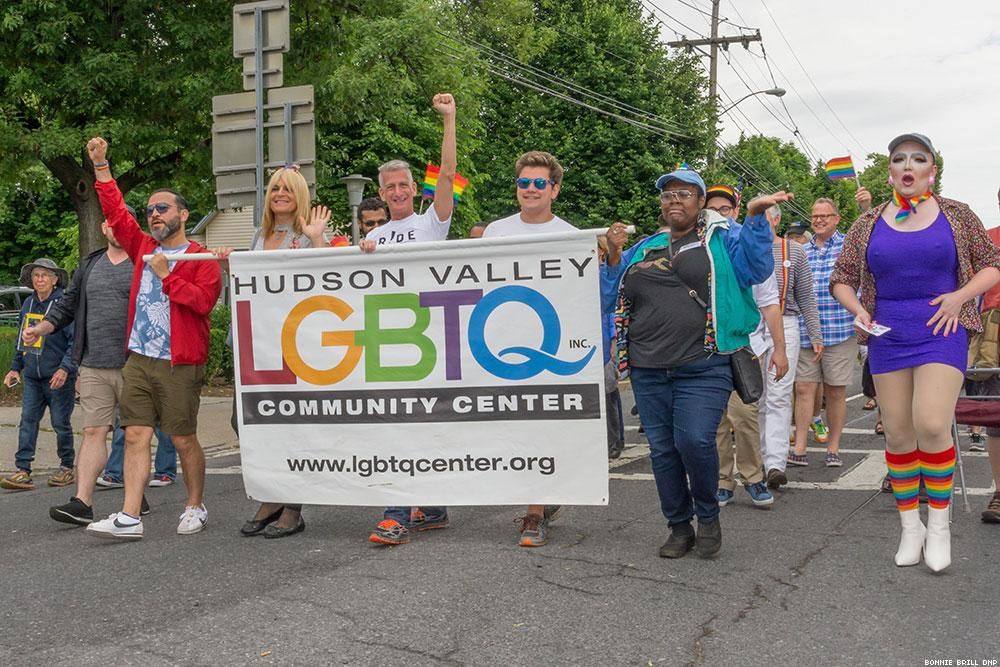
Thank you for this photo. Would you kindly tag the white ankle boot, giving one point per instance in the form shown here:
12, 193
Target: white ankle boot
911, 542
937, 548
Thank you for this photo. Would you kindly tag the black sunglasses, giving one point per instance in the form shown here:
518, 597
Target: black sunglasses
160, 208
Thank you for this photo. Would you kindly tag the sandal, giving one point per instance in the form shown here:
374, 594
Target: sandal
879, 429
871, 404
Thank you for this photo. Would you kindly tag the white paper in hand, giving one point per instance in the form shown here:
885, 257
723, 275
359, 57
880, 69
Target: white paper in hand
874, 330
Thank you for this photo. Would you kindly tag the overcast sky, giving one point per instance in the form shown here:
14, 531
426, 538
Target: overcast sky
884, 66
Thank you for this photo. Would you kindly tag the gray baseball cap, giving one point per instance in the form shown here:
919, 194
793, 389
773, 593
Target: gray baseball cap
912, 136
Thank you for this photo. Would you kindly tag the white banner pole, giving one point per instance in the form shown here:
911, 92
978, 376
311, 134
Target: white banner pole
207, 256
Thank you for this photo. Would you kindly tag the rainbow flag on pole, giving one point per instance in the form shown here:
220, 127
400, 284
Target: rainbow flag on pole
840, 167
431, 179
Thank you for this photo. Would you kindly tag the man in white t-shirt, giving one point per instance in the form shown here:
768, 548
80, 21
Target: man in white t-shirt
537, 176
397, 188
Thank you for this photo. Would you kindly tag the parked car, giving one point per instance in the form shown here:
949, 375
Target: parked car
11, 297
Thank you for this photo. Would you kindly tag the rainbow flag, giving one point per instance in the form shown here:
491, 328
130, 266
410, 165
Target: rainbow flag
840, 167
431, 180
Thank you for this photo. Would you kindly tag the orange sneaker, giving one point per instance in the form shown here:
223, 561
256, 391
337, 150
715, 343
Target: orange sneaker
390, 531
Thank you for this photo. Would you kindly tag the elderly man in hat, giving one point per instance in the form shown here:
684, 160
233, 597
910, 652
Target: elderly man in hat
48, 371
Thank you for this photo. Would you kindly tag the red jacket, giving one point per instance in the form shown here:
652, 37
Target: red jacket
992, 297
192, 288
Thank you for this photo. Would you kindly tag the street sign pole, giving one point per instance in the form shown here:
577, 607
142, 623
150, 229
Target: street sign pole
258, 58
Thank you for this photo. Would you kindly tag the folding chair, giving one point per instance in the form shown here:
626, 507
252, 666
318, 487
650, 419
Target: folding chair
974, 411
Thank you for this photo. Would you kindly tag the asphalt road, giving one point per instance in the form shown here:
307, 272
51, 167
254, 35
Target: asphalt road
810, 581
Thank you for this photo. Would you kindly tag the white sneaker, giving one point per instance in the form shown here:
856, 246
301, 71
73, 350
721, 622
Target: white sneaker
162, 480
116, 529
109, 482
193, 520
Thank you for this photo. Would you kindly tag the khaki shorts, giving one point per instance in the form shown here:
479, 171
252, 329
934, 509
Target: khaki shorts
157, 393
100, 393
835, 367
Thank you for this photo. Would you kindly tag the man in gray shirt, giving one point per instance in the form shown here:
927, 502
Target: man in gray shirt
97, 300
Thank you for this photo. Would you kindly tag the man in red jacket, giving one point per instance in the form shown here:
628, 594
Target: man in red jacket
168, 321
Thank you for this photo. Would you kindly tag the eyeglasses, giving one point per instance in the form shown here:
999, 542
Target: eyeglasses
160, 208
539, 183
723, 210
823, 216
676, 195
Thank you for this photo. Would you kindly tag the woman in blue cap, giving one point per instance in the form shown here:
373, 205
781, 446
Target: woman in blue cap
684, 304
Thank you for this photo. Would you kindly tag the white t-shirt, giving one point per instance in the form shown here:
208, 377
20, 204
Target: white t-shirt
765, 294
416, 228
515, 226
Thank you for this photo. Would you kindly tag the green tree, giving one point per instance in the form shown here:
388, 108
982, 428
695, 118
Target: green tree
765, 164
138, 73
35, 212
605, 46
142, 74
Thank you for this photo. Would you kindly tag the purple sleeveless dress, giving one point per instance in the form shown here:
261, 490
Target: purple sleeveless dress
910, 269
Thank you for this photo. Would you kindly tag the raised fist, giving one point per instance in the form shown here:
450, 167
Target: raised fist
97, 149
444, 104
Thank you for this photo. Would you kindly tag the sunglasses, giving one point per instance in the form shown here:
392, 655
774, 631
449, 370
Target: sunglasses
160, 208
676, 195
539, 183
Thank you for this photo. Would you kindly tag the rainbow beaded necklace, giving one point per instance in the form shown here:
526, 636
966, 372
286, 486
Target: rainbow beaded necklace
907, 205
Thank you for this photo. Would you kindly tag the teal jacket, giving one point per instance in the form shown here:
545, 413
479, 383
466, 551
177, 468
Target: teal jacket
739, 256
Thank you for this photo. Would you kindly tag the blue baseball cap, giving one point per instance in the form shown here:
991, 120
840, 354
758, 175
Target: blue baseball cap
689, 176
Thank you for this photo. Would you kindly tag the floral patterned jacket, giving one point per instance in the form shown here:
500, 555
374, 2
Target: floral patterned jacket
975, 252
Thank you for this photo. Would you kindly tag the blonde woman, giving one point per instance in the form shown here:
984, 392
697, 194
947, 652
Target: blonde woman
288, 222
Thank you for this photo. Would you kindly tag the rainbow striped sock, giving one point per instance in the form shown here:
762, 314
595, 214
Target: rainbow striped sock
938, 469
904, 473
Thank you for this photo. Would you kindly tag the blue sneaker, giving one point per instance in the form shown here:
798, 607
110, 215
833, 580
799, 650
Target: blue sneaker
759, 495
725, 497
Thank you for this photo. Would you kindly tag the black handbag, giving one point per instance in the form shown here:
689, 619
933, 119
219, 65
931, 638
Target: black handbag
747, 379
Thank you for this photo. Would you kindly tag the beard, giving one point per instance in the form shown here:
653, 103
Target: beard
169, 228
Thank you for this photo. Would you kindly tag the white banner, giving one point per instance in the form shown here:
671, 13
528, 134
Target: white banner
450, 373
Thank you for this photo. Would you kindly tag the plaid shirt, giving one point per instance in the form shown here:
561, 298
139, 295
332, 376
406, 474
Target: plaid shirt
836, 321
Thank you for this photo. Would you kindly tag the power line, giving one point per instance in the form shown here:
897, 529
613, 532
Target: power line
737, 110
815, 87
793, 128
652, 6
721, 19
806, 144
670, 127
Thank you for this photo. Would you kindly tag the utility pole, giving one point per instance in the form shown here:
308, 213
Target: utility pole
713, 58
714, 42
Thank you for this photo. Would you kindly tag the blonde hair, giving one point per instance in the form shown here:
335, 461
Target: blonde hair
296, 183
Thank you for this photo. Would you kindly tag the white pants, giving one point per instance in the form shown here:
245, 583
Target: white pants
775, 405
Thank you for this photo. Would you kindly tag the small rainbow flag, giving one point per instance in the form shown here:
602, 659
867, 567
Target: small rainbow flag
840, 167
431, 180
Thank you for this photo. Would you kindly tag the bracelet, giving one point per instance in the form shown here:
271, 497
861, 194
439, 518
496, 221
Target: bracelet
101, 166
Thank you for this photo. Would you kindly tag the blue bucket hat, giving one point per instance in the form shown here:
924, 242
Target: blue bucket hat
688, 176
